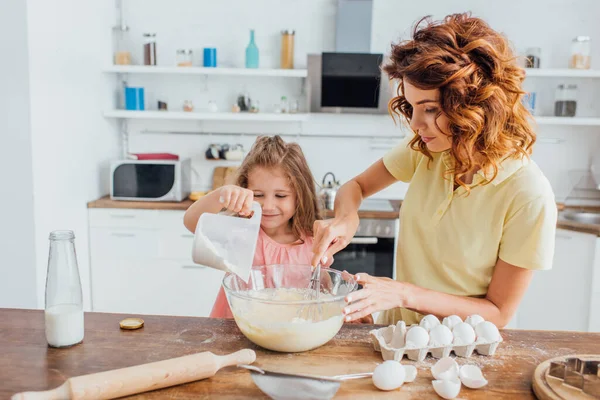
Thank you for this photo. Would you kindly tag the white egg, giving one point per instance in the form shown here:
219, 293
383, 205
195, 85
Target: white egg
429, 322
487, 332
389, 375
447, 389
410, 373
472, 377
452, 321
474, 320
445, 369
464, 334
417, 337
440, 336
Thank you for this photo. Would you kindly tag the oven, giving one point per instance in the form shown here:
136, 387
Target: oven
372, 250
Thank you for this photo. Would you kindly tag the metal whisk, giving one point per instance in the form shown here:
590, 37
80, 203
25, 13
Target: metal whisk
312, 312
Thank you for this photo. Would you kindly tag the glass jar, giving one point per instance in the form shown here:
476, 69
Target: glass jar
565, 103
122, 53
64, 300
581, 53
184, 58
287, 49
188, 106
149, 48
284, 106
532, 57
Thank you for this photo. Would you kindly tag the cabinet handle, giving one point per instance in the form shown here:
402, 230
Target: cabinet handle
187, 235
564, 236
364, 240
122, 216
123, 234
196, 266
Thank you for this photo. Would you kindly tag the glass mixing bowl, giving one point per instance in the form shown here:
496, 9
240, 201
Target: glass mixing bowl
275, 310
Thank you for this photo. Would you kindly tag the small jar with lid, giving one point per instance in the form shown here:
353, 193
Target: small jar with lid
184, 57
122, 53
287, 49
149, 48
581, 53
565, 103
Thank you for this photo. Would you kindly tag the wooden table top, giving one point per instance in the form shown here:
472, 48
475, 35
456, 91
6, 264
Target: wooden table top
27, 363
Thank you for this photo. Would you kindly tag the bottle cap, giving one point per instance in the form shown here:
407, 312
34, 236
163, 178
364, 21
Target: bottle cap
131, 323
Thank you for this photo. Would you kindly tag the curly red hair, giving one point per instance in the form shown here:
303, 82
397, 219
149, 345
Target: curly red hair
479, 81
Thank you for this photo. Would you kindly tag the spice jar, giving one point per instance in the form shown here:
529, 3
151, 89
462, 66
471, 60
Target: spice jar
188, 106
122, 54
149, 48
565, 103
184, 58
287, 49
581, 49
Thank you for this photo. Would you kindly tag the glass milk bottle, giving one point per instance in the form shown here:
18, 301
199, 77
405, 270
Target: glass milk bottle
64, 304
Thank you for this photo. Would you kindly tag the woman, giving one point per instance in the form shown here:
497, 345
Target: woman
479, 216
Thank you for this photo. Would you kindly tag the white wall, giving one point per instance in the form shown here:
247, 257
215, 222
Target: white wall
17, 269
69, 41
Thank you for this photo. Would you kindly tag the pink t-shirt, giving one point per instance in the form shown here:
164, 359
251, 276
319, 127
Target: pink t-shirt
268, 252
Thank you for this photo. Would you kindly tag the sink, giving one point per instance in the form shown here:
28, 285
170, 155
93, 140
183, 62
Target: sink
583, 217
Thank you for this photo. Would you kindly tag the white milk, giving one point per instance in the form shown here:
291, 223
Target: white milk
64, 325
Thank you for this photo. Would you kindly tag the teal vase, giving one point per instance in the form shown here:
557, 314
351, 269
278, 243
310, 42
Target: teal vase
252, 52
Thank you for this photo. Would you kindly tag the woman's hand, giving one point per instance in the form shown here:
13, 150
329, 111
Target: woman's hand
378, 294
236, 199
331, 236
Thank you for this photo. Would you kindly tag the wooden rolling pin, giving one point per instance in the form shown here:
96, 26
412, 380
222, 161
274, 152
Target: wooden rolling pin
141, 378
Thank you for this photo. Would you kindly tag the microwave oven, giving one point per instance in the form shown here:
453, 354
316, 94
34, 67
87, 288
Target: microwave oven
150, 180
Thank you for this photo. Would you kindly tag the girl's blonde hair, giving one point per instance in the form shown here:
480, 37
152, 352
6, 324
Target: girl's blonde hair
479, 81
273, 152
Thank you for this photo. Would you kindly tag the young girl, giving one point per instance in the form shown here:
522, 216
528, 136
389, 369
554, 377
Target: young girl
276, 175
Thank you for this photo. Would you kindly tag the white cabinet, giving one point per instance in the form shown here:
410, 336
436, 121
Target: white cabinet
595, 300
141, 264
559, 299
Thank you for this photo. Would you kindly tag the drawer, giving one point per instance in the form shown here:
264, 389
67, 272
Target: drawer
171, 220
154, 287
123, 243
176, 245
123, 218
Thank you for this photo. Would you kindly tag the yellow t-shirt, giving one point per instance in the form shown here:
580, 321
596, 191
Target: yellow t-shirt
450, 242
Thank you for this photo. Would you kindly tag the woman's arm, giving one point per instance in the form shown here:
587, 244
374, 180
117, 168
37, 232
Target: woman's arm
332, 235
505, 292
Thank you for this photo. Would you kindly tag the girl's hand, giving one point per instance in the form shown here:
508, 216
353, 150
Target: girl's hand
236, 199
331, 236
378, 294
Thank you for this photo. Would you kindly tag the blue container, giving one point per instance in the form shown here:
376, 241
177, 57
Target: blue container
252, 52
134, 98
210, 57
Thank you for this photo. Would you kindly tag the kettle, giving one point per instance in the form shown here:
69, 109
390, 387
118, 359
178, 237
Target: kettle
328, 191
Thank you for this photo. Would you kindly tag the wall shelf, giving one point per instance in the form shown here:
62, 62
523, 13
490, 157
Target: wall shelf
266, 72
303, 117
562, 73
574, 121
205, 116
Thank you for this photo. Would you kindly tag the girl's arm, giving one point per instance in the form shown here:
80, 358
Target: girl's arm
507, 288
230, 197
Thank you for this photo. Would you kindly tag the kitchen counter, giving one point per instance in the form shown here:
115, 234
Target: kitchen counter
106, 202
28, 364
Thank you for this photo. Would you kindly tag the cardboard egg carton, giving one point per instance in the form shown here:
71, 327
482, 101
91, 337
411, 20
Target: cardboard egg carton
390, 341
